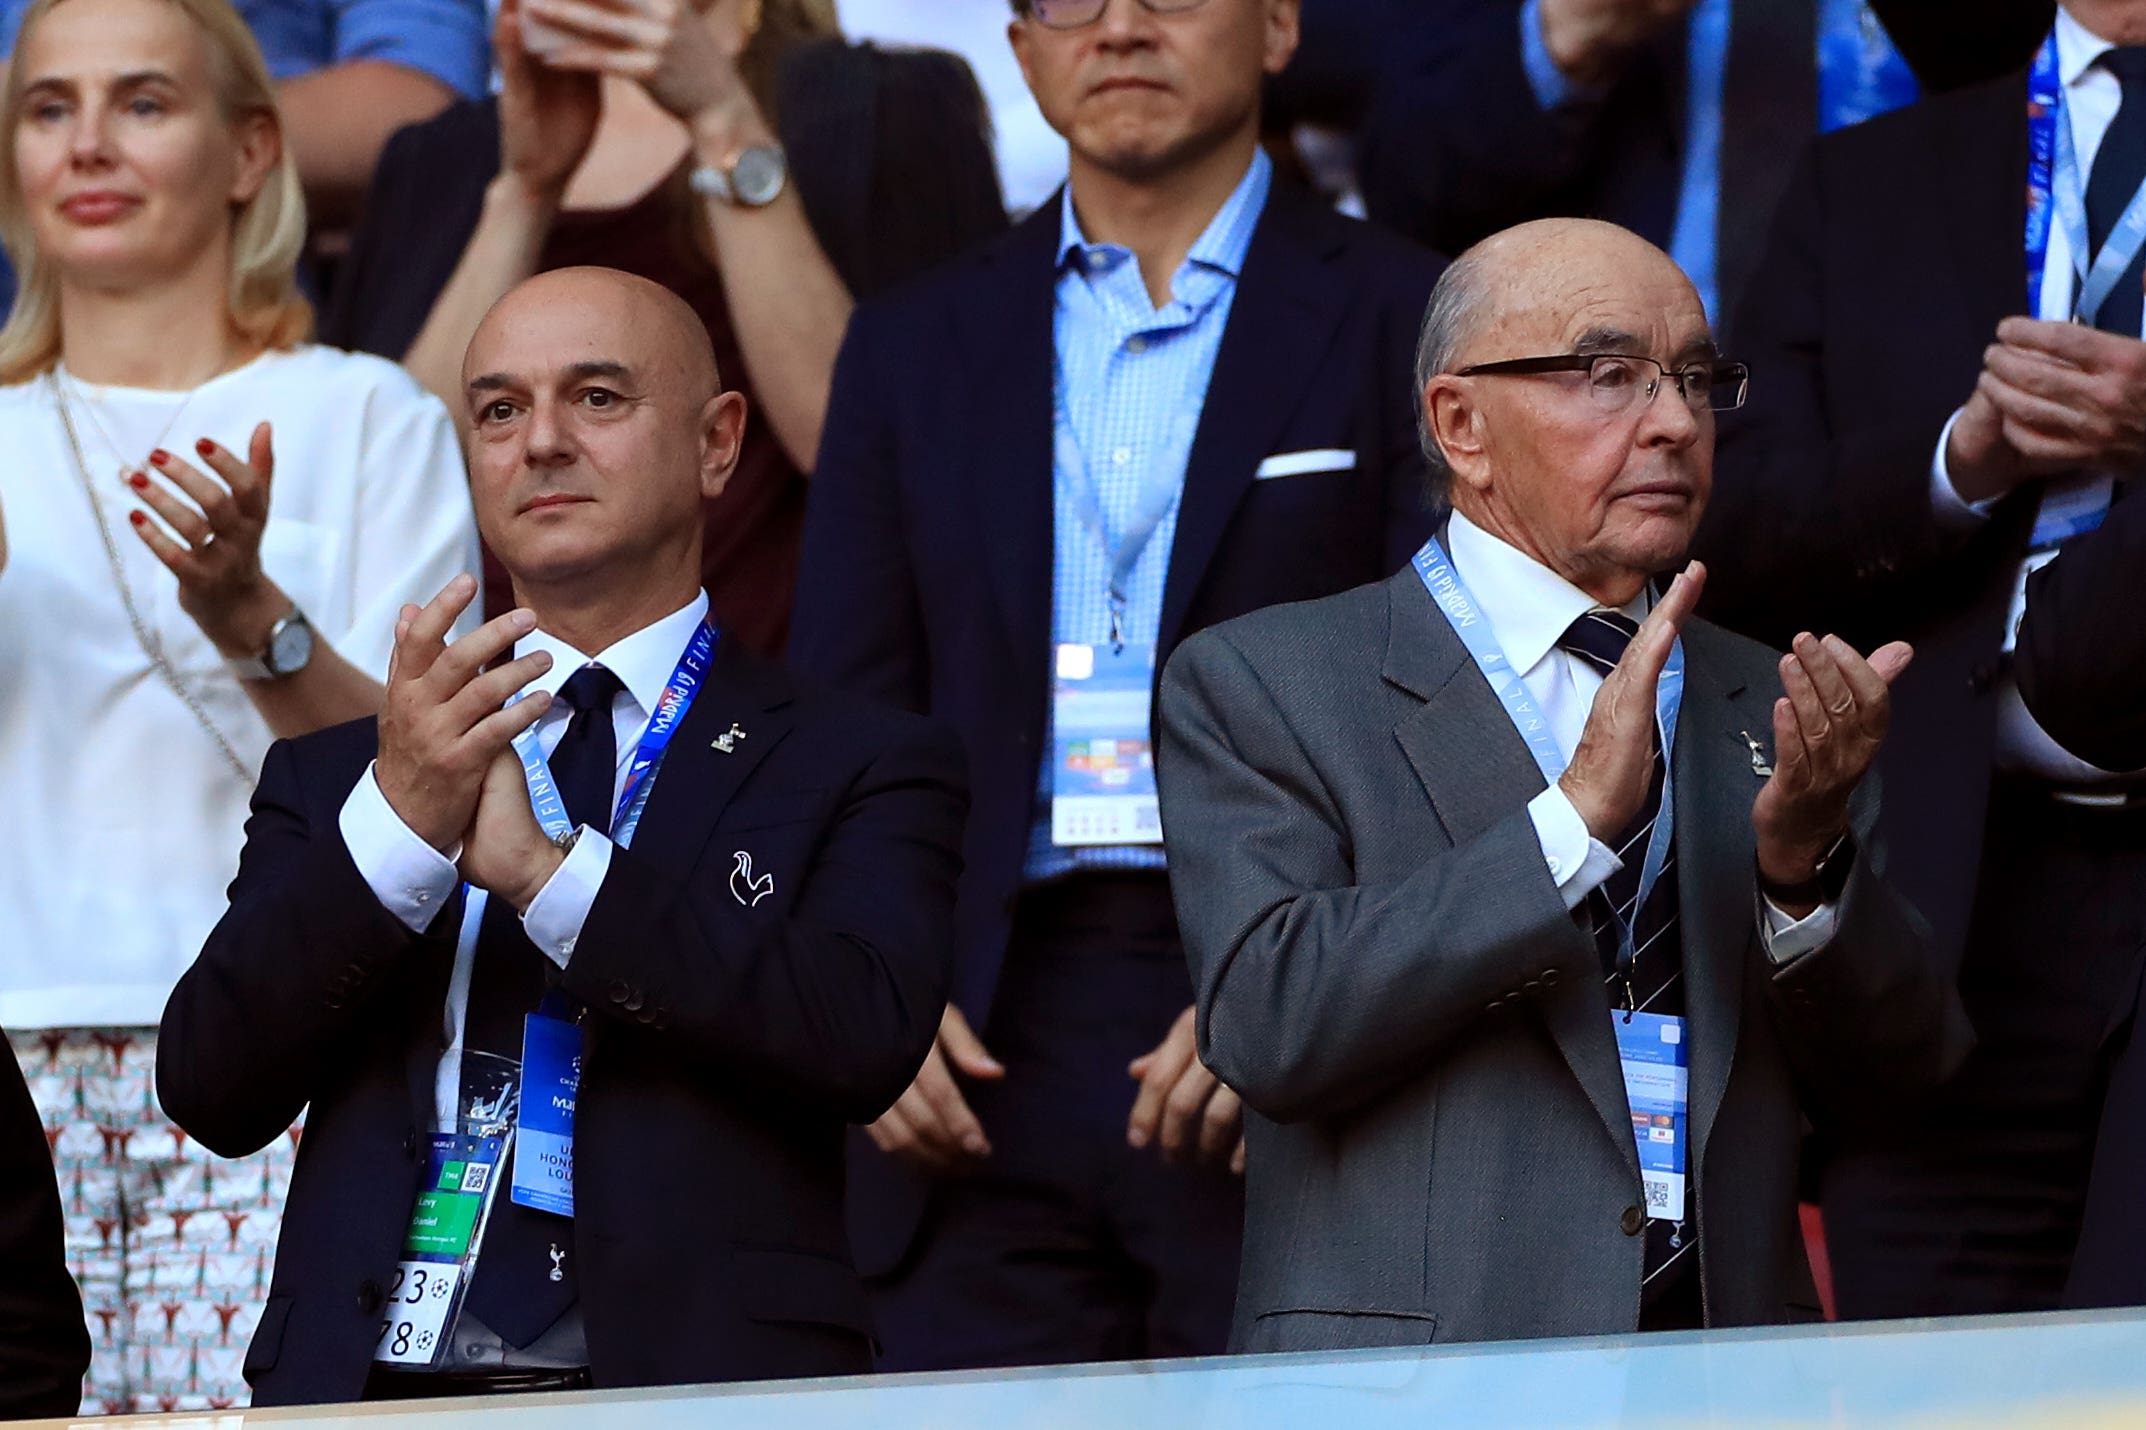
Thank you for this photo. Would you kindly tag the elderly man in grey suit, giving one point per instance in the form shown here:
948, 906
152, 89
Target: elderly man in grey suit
1529, 915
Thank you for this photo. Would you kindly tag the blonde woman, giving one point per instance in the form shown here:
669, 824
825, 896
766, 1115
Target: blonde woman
738, 152
213, 525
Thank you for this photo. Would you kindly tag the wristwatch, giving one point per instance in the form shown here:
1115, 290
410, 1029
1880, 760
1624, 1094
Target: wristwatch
752, 180
290, 647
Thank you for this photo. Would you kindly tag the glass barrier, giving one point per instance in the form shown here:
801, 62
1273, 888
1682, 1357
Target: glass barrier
2075, 1371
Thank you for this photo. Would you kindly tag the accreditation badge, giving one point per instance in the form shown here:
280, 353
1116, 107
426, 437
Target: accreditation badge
1657, 1086
544, 1123
439, 1250
1102, 748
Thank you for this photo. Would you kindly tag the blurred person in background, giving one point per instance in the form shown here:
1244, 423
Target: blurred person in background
213, 524
1031, 155
348, 74
737, 152
1679, 119
1946, 395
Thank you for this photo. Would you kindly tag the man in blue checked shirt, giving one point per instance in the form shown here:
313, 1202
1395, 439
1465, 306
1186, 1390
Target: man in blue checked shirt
1174, 394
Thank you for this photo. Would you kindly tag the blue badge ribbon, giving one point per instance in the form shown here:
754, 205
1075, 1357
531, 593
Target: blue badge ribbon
1156, 498
685, 682
2056, 192
1472, 625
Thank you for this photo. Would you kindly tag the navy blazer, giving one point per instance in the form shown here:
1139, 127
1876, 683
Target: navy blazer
928, 543
1895, 255
728, 1041
44, 1343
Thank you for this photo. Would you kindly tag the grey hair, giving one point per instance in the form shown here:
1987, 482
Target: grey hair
1449, 320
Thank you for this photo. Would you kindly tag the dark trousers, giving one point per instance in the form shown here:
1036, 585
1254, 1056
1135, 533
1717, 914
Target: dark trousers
1069, 1245
1972, 1202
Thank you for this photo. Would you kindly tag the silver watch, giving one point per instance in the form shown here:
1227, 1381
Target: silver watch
290, 647
754, 179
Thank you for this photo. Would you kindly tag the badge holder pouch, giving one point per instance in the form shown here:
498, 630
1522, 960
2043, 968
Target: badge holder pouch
463, 1170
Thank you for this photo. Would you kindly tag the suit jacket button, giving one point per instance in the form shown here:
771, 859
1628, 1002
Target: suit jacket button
635, 1001
370, 1297
1634, 1221
619, 991
1550, 977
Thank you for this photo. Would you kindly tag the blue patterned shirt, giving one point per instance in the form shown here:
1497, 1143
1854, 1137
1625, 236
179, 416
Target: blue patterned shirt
1130, 382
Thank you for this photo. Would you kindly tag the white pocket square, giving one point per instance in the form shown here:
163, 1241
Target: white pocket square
1296, 464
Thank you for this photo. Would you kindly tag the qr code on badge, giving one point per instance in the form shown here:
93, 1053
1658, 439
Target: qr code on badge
476, 1176
1657, 1198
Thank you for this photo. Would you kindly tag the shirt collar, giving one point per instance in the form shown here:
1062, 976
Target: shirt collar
2078, 48
1529, 605
1222, 245
643, 661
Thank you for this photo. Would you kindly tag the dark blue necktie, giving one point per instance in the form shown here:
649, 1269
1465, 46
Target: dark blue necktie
2119, 168
514, 1292
1655, 975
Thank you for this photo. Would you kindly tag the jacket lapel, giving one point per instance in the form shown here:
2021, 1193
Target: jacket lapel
1470, 761
1715, 785
1290, 300
746, 706
1004, 321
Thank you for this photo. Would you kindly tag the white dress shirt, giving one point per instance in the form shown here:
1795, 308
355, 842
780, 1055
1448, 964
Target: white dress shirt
2092, 96
1529, 608
139, 815
412, 879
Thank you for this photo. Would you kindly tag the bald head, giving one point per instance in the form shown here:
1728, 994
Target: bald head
1598, 470
1534, 271
598, 428
635, 319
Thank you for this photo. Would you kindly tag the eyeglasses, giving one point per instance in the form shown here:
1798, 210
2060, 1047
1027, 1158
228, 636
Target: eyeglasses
1072, 14
1618, 380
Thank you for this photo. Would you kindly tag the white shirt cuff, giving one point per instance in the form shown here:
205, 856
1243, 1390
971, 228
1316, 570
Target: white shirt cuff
554, 917
409, 877
1787, 939
1945, 498
1577, 860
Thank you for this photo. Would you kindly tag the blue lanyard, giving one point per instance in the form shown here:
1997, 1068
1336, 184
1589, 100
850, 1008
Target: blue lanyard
671, 707
2055, 192
1156, 499
1472, 625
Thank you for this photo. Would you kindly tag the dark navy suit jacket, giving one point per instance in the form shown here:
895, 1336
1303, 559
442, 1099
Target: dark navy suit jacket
729, 1041
928, 547
44, 1345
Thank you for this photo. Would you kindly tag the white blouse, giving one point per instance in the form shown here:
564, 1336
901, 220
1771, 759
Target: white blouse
128, 818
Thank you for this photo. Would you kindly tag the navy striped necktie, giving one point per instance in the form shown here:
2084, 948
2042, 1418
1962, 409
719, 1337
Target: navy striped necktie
1654, 979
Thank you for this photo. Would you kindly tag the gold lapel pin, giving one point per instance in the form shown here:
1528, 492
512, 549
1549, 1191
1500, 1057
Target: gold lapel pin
1760, 766
727, 742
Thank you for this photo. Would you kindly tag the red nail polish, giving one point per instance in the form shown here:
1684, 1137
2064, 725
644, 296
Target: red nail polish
159, 457
204, 446
137, 481
138, 518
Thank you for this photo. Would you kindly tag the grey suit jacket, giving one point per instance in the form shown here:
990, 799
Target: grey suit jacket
1440, 1148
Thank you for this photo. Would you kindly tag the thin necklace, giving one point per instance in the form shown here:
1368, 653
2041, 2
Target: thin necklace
152, 646
127, 469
